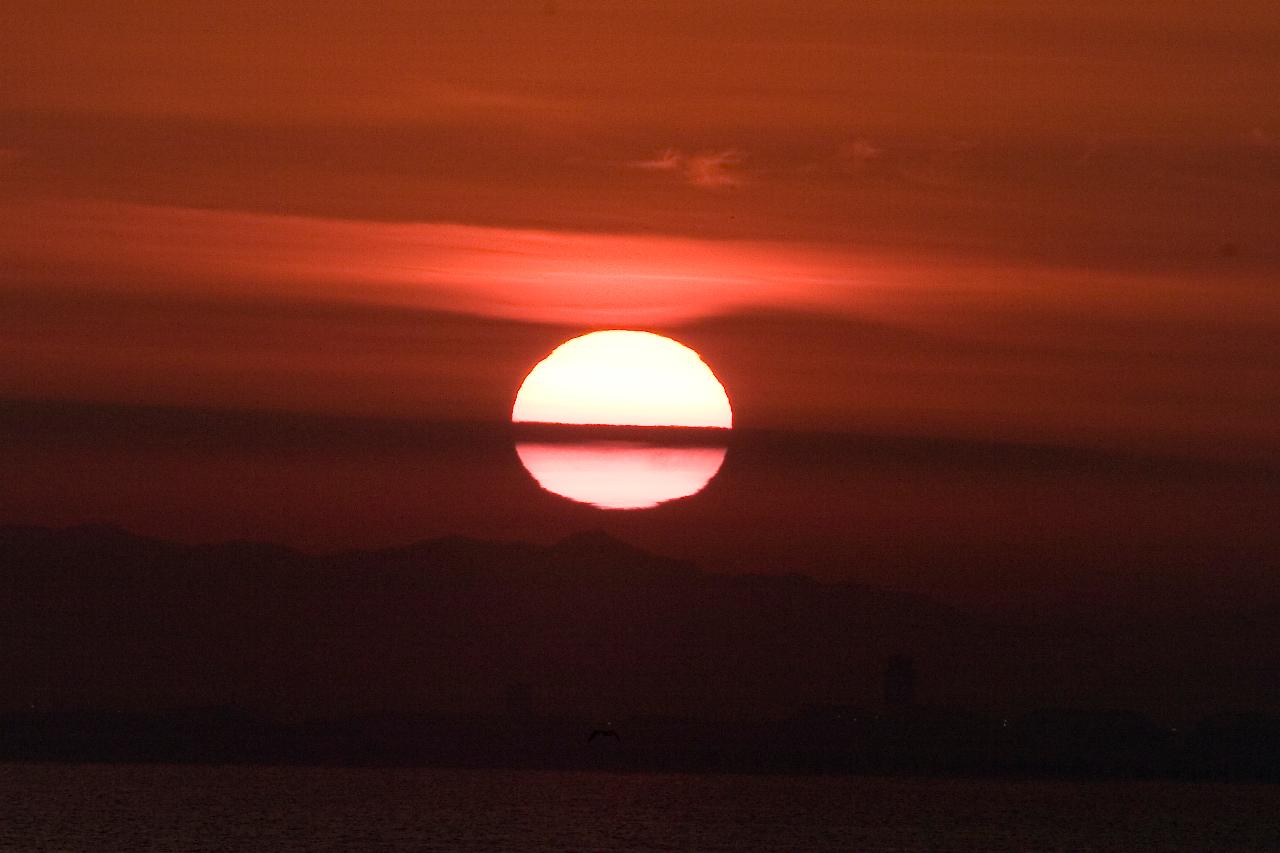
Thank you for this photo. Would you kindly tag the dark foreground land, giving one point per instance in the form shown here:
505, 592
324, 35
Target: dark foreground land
471, 653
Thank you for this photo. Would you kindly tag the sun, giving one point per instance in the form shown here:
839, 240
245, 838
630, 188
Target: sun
628, 379
623, 378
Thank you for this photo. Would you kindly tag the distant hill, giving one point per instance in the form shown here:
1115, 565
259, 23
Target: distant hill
95, 617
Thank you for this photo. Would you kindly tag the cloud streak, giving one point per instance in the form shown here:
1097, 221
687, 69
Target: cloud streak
977, 345
529, 274
712, 170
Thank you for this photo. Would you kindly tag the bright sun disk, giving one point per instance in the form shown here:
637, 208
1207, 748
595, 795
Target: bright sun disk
623, 378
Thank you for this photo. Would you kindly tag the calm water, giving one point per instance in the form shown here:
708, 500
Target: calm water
170, 808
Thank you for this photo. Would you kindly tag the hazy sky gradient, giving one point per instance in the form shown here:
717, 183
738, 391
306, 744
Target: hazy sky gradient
1034, 221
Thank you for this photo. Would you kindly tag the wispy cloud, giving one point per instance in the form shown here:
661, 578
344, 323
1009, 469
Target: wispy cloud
668, 161
1259, 138
858, 154
709, 169
715, 169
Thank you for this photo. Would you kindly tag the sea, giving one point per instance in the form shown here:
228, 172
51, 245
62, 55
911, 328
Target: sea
172, 808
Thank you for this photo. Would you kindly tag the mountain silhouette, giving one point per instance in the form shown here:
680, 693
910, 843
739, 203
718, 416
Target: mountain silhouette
596, 544
97, 617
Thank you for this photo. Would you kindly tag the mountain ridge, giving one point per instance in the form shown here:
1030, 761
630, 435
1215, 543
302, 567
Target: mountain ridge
97, 617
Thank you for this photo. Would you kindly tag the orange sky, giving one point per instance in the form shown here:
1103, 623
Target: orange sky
1040, 221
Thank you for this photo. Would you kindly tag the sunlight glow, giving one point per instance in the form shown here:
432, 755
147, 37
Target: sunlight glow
623, 378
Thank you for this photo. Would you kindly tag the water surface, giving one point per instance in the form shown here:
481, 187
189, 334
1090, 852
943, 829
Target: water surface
181, 808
